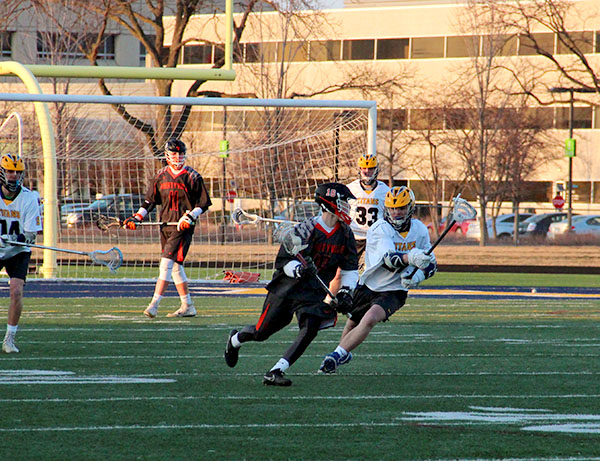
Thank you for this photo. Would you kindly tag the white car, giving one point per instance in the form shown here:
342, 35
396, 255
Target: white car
505, 226
582, 224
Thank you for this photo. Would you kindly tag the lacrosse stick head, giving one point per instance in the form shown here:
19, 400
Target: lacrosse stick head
239, 216
462, 210
292, 243
105, 223
113, 258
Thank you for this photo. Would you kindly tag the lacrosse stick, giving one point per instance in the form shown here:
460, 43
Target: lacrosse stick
104, 223
461, 211
292, 243
112, 258
240, 216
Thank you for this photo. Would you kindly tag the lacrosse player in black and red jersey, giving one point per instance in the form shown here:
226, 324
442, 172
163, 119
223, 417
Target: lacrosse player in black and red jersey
182, 196
395, 261
295, 289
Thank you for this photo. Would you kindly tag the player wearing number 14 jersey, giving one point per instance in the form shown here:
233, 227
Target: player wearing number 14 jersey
369, 205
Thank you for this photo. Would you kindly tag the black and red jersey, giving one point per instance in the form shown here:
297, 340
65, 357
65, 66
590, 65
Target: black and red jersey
177, 193
329, 251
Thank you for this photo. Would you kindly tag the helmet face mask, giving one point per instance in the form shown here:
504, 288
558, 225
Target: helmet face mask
175, 151
333, 198
399, 207
11, 162
368, 169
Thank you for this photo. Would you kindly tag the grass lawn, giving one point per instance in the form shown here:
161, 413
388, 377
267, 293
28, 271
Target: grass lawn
444, 379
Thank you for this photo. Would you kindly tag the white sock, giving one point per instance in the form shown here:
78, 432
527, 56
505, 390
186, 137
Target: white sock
340, 350
186, 300
11, 329
282, 365
235, 342
155, 300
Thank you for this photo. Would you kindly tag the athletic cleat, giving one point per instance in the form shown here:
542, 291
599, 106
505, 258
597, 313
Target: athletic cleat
330, 363
276, 378
8, 345
345, 359
231, 353
151, 311
184, 311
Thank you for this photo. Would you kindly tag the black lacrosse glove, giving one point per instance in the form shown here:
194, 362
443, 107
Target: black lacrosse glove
132, 222
305, 269
343, 302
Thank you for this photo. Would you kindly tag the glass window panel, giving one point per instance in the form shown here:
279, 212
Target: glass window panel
499, 45
358, 49
292, 51
459, 119
392, 48
462, 46
426, 119
427, 47
5, 44
584, 41
396, 119
544, 41
197, 54
200, 121
325, 50
582, 117
538, 117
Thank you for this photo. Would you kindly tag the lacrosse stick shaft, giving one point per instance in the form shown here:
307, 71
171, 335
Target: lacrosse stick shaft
238, 214
319, 279
44, 247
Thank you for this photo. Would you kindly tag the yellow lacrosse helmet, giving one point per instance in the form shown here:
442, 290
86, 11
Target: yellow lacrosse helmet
400, 197
368, 161
11, 162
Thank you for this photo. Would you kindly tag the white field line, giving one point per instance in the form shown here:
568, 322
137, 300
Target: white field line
304, 398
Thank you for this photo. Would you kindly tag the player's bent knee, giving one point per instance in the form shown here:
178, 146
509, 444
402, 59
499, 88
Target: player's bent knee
179, 276
166, 269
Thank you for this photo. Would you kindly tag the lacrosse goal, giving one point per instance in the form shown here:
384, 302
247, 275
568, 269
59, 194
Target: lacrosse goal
266, 156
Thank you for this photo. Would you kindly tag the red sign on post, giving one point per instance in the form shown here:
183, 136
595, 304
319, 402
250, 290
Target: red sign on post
558, 202
229, 196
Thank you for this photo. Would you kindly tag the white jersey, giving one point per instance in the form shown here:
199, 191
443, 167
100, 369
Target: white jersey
367, 208
381, 238
17, 216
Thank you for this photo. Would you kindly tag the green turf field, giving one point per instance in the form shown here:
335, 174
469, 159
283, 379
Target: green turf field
445, 379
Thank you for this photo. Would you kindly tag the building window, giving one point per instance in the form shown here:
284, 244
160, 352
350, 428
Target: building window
543, 41
426, 119
463, 46
52, 44
392, 48
499, 45
358, 50
583, 41
325, 50
5, 44
292, 51
427, 47
197, 54
261, 52
392, 119
582, 117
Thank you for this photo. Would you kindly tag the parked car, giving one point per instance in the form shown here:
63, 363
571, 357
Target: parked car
504, 226
538, 224
459, 228
582, 224
113, 205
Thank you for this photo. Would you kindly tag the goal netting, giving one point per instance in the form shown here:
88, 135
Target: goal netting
275, 158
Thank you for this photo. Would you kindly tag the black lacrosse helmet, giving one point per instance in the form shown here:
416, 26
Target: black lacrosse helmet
333, 197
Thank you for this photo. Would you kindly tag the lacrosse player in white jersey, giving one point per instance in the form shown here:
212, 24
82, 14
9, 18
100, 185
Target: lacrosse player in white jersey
395, 261
367, 208
20, 221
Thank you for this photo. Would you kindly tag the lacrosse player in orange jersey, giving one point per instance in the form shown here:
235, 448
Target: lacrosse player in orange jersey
396, 246
20, 221
182, 194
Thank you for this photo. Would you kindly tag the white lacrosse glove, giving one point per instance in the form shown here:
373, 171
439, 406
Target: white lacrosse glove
414, 281
418, 258
392, 260
187, 221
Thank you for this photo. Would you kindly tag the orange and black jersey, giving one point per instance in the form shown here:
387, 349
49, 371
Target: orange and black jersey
329, 250
177, 193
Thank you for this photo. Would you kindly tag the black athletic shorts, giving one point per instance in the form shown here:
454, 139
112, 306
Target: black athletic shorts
17, 266
175, 244
364, 298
